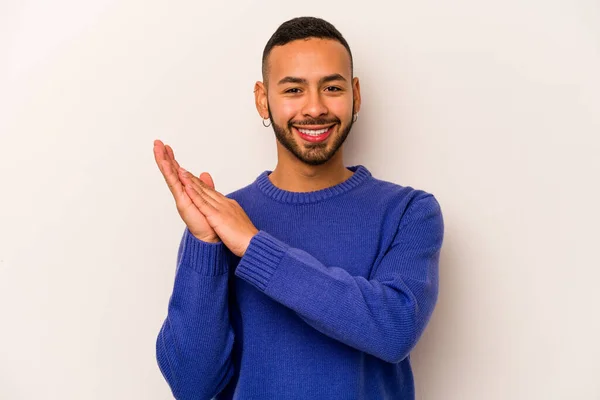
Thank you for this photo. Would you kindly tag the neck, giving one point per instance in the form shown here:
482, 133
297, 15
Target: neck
293, 175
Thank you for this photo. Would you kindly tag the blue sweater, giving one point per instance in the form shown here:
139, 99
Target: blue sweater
327, 302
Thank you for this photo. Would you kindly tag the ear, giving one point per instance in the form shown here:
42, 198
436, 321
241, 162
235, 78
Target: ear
260, 99
356, 94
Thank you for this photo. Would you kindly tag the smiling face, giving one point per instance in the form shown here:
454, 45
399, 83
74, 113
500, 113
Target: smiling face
310, 96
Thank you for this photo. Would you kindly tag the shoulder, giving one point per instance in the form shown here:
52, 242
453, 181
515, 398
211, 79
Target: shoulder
247, 196
412, 216
400, 199
240, 193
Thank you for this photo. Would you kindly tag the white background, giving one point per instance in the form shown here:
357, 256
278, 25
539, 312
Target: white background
494, 107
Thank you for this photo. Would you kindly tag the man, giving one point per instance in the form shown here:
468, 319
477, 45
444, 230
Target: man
316, 280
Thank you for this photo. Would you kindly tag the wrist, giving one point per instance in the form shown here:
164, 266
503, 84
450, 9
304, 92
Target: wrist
248, 242
208, 239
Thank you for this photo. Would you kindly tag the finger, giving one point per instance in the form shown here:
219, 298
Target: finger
204, 177
207, 179
168, 171
160, 156
206, 182
198, 195
171, 156
201, 187
159, 153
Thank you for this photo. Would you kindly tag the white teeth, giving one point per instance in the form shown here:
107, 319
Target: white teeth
313, 132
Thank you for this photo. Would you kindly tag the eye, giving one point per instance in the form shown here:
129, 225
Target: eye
292, 90
333, 88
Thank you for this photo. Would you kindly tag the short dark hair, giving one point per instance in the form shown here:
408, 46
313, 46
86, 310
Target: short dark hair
303, 28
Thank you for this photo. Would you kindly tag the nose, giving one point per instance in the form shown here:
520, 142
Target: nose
314, 106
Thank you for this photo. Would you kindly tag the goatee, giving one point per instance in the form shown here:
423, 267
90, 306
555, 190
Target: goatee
311, 153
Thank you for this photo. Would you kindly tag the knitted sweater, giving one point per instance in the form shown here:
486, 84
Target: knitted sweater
327, 302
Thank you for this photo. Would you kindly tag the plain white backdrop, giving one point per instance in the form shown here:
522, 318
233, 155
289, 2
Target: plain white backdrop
494, 107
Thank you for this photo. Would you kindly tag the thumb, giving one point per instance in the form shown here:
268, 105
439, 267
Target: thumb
206, 178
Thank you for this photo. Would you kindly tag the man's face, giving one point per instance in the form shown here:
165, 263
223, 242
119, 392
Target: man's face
311, 97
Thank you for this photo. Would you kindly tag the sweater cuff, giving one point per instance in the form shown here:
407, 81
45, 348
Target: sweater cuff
205, 258
261, 260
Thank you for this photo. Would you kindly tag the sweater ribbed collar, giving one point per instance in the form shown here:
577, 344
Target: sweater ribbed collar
361, 174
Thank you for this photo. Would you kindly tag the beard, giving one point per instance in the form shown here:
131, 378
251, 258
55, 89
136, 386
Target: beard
311, 153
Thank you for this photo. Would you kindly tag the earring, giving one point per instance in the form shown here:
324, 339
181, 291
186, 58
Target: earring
263, 122
355, 117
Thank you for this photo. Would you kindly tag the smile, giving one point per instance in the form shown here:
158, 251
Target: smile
313, 132
314, 135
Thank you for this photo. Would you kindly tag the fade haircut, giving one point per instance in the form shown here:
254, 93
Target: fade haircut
303, 28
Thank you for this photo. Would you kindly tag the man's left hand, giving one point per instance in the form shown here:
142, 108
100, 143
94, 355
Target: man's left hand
228, 219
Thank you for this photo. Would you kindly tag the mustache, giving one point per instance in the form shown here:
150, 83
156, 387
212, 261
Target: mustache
316, 121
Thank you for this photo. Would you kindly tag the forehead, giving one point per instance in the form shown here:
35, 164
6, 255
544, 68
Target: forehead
310, 59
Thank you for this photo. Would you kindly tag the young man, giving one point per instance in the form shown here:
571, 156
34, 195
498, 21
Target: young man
316, 280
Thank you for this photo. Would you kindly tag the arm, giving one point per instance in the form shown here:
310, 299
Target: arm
195, 341
384, 315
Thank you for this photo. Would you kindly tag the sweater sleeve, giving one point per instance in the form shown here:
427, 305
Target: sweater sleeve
383, 315
194, 344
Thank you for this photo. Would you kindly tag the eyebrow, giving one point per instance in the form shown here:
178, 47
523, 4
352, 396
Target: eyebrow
325, 79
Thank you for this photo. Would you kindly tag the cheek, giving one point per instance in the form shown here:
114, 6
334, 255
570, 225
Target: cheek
286, 110
340, 107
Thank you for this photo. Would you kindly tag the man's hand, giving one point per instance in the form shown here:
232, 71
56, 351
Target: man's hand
228, 219
193, 218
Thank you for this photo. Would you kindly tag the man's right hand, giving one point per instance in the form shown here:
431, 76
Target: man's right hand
193, 218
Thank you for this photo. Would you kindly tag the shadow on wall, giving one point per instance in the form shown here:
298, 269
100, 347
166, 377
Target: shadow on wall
440, 343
